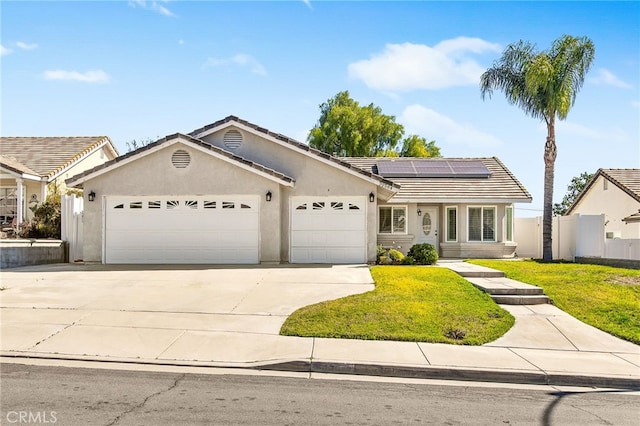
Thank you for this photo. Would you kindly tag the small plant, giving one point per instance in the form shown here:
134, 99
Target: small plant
455, 333
423, 254
380, 251
396, 257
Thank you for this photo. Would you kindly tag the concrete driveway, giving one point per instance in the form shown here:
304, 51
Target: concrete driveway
165, 312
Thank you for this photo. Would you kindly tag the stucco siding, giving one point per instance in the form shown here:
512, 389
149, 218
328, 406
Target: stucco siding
154, 174
614, 203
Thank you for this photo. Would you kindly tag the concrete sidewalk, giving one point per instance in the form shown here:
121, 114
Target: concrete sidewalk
546, 345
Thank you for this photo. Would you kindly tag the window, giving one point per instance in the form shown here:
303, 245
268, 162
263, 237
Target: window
482, 222
393, 220
452, 224
509, 224
8, 204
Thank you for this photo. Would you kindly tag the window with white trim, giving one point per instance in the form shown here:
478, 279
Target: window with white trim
451, 219
481, 224
508, 232
392, 220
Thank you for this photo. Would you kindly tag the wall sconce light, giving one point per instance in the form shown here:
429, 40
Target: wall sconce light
268, 196
372, 197
92, 196
419, 212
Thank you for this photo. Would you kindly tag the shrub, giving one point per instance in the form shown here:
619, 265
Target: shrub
380, 251
423, 254
395, 256
408, 260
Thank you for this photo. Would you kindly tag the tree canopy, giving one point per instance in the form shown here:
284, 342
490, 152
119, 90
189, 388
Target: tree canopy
544, 84
574, 189
351, 130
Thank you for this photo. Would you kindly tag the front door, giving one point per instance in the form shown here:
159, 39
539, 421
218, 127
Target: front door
428, 225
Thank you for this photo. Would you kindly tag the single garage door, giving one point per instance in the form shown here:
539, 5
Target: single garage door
196, 229
328, 230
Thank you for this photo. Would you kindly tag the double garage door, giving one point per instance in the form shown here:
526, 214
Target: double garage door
196, 229
226, 230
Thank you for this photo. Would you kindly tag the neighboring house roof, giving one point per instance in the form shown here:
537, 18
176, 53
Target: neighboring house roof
159, 144
634, 218
48, 156
628, 180
297, 146
500, 186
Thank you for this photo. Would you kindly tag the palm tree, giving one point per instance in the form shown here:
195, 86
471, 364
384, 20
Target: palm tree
544, 84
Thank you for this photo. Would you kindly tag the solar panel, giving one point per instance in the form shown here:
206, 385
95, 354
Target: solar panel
432, 168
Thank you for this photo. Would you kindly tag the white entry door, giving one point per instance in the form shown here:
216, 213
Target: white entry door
192, 229
328, 230
428, 225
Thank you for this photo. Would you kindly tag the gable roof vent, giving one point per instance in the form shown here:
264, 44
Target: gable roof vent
181, 159
232, 139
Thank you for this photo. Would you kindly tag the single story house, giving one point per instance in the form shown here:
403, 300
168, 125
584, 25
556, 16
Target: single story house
28, 165
616, 194
234, 192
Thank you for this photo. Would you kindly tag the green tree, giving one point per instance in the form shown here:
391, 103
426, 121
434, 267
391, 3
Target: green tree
544, 84
417, 146
349, 129
573, 190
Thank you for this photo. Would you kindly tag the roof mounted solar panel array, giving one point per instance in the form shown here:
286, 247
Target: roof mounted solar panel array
432, 168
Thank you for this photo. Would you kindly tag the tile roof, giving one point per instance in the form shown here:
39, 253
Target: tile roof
502, 185
276, 174
15, 166
299, 146
628, 180
48, 155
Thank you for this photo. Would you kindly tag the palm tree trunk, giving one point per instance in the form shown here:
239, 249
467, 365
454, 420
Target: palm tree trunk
550, 153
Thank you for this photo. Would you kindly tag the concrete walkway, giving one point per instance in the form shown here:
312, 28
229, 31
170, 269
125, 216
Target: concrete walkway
45, 316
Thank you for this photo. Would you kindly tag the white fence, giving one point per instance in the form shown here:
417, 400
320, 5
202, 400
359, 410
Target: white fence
573, 236
72, 225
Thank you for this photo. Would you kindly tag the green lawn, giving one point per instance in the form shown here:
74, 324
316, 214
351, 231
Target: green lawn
604, 297
409, 303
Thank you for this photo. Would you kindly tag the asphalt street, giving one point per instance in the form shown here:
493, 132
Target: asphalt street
89, 396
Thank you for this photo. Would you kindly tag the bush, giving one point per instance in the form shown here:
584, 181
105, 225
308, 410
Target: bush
380, 251
396, 257
408, 260
423, 254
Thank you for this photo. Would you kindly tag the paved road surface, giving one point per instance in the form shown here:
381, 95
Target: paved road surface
86, 396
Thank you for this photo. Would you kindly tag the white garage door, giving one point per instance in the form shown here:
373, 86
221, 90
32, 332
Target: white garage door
197, 229
328, 230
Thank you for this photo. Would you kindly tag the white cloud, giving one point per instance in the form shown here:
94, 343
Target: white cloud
308, 3
26, 46
241, 60
94, 76
408, 66
152, 5
608, 78
4, 50
418, 119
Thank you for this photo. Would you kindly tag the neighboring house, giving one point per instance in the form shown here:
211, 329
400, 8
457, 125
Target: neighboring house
29, 164
616, 194
234, 192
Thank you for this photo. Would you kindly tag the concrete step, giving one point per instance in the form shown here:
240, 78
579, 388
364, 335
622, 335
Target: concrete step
504, 286
468, 270
507, 299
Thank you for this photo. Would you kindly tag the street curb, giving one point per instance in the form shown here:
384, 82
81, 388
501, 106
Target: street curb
378, 370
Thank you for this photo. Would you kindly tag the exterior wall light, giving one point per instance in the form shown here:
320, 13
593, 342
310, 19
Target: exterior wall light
372, 197
268, 196
92, 196
419, 212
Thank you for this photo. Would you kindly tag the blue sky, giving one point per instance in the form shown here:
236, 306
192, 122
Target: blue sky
145, 69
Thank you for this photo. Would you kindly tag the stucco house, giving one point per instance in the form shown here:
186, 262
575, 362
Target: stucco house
28, 165
616, 194
234, 192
